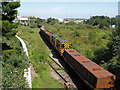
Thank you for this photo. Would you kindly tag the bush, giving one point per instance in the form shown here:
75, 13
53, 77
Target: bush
33, 25
13, 70
76, 33
13, 63
71, 23
6, 27
92, 35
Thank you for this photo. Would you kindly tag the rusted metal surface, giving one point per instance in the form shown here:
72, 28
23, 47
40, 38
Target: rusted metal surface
95, 75
45, 33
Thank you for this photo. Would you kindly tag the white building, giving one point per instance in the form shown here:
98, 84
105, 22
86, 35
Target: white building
23, 19
76, 20
112, 26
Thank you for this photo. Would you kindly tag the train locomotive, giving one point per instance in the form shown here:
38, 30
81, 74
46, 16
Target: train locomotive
92, 74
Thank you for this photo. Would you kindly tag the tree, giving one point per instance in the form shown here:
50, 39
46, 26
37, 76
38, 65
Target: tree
40, 21
9, 13
102, 21
113, 21
13, 60
71, 23
52, 21
104, 24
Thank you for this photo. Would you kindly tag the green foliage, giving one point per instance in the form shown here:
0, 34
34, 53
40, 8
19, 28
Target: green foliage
89, 53
71, 23
39, 55
40, 21
13, 60
44, 81
12, 70
16, 61
32, 17
92, 35
52, 21
36, 22
76, 33
33, 25
9, 11
102, 21
104, 24
6, 27
85, 40
114, 21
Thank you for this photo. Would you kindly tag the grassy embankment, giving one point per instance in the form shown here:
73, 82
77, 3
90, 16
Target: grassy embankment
85, 39
38, 53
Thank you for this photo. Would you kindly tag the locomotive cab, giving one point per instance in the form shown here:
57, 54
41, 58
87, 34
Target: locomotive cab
63, 45
53, 39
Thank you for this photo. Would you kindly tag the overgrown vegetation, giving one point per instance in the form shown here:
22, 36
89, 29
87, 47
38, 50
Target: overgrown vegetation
35, 22
38, 53
13, 59
102, 22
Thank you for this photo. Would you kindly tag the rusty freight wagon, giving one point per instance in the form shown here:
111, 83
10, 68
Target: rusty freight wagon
46, 33
91, 73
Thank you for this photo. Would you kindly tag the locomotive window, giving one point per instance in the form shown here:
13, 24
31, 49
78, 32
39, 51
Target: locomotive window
63, 46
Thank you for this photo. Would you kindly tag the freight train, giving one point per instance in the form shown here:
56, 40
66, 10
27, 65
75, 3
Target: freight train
92, 74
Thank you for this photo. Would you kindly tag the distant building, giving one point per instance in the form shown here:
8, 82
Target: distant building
76, 20
60, 20
23, 19
118, 16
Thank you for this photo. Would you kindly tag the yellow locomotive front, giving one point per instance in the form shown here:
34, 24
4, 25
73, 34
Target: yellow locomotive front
62, 45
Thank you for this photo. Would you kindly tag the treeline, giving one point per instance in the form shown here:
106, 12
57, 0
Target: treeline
102, 22
13, 59
36, 22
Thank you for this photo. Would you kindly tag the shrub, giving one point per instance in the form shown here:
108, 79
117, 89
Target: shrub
13, 70
76, 33
71, 23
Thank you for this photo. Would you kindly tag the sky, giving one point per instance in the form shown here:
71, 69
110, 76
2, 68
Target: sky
69, 9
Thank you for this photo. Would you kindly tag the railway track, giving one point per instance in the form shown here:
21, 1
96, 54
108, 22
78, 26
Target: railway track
58, 68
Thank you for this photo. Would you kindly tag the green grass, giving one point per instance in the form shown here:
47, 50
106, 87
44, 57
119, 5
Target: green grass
59, 68
47, 82
38, 53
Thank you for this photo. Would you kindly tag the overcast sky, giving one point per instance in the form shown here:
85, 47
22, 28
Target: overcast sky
69, 9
